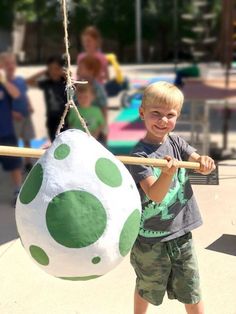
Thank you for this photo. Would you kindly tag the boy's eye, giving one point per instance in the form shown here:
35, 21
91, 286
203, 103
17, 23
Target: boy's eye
156, 113
171, 115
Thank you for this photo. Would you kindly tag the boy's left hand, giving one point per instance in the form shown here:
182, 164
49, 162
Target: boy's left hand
207, 165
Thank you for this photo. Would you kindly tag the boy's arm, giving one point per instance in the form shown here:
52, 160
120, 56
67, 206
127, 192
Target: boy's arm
98, 131
102, 124
12, 90
30, 107
156, 189
207, 164
33, 80
105, 113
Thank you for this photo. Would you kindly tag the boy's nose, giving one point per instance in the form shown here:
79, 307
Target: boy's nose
164, 119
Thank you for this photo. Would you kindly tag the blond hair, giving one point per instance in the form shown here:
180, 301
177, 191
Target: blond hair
6, 55
164, 94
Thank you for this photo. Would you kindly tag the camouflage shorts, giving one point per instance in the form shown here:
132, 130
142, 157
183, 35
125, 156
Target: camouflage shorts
167, 266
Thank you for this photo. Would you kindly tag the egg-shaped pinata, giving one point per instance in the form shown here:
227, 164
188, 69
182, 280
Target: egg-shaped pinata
78, 211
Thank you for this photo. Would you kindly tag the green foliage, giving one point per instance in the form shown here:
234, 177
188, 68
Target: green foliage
115, 19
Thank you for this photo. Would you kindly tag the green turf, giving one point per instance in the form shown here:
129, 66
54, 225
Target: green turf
128, 115
121, 147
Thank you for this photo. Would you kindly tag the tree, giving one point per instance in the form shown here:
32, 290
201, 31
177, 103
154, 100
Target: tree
115, 19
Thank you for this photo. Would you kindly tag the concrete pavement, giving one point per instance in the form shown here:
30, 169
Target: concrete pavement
26, 289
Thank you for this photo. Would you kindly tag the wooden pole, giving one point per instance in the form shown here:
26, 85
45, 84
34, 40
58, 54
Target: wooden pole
37, 153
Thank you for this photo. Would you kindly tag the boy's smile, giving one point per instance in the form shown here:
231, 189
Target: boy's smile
159, 121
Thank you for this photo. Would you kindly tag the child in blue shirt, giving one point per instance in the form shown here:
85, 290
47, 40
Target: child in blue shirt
21, 107
8, 92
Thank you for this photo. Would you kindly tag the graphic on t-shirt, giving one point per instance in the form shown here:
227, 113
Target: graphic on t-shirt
53, 100
153, 209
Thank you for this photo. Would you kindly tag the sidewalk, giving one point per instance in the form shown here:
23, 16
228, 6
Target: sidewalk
26, 289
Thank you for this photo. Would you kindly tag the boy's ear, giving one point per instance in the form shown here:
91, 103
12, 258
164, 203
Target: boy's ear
141, 112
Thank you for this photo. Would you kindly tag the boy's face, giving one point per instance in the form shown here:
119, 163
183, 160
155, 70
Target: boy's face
85, 98
89, 43
159, 121
84, 72
9, 65
55, 71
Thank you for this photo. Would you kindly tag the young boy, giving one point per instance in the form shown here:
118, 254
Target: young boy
89, 69
53, 84
21, 106
91, 114
8, 92
163, 255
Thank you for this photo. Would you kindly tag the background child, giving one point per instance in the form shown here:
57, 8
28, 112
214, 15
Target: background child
91, 41
53, 84
163, 255
8, 92
89, 70
21, 107
91, 114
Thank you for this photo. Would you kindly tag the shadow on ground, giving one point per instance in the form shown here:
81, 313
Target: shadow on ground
8, 231
225, 244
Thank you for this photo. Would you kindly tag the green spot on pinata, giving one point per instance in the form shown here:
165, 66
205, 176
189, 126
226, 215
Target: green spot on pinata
96, 260
32, 184
80, 278
39, 255
76, 219
108, 172
61, 152
129, 232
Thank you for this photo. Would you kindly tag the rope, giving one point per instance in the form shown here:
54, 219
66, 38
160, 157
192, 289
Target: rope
70, 83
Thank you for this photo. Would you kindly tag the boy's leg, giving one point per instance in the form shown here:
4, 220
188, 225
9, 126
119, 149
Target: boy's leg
52, 124
16, 178
28, 162
152, 268
197, 308
184, 281
140, 305
12, 164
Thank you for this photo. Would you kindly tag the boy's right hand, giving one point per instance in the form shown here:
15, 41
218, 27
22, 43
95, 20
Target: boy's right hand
3, 78
17, 116
171, 167
46, 145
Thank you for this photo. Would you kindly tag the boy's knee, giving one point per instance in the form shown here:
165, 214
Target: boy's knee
196, 308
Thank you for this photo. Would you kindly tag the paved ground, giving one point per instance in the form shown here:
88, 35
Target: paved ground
26, 289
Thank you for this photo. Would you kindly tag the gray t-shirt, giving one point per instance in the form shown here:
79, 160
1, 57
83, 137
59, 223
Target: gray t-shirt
178, 212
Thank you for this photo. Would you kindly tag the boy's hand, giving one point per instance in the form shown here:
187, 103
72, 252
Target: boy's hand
31, 110
3, 78
17, 116
171, 166
207, 165
46, 145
